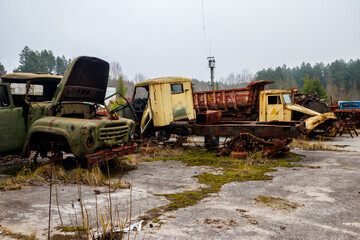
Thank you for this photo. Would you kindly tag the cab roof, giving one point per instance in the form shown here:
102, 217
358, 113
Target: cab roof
276, 91
162, 80
24, 77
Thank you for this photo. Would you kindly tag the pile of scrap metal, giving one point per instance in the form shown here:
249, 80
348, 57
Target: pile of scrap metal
250, 116
347, 113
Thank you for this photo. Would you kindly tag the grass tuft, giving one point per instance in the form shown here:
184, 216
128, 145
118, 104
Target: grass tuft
277, 203
95, 175
312, 145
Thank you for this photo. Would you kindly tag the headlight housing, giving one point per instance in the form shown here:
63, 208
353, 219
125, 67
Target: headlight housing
131, 135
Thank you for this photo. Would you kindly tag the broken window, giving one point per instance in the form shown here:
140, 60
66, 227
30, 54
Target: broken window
274, 100
287, 98
141, 92
20, 89
176, 88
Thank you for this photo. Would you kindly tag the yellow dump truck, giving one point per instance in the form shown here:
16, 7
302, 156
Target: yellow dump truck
277, 105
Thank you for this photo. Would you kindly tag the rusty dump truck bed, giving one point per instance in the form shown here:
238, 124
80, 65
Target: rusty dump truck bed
243, 101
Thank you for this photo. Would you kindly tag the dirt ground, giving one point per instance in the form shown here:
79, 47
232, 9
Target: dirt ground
320, 201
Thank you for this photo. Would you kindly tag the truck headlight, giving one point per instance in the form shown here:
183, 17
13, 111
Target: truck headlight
131, 135
90, 141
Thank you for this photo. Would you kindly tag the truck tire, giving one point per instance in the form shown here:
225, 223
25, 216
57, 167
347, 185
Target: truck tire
211, 142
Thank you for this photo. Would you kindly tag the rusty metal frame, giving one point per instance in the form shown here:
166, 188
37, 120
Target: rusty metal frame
109, 154
258, 129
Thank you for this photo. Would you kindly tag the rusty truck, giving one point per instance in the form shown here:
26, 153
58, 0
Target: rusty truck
43, 112
167, 105
256, 103
347, 113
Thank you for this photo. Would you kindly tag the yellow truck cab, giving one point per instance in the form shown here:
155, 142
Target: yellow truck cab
277, 105
272, 105
157, 102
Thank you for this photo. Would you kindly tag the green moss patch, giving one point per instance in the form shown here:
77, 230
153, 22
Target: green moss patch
232, 170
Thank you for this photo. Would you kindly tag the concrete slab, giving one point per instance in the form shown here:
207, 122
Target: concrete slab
26, 211
327, 192
328, 197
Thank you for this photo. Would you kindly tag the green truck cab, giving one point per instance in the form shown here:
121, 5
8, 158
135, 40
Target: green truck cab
54, 113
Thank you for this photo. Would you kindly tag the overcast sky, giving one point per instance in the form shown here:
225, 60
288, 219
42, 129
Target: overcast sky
166, 37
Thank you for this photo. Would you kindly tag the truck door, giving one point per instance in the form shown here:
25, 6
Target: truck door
181, 99
275, 108
12, 123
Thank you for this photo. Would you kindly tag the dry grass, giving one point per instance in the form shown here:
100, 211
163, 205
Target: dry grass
256, 158
161, 151
312, 145
130, 160
12, 235
168, 151
92, 176
277, 203
28, 177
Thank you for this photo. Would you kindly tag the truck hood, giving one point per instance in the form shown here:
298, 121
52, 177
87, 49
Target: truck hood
298, 108
85, 80
313, 122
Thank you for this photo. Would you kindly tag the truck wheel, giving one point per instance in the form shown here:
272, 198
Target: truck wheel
163, 135
211, 142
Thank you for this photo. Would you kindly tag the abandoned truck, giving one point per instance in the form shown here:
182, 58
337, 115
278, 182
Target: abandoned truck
166, 106
43, 112
255, 103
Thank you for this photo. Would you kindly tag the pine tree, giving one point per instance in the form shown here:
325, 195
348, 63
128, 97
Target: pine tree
41, 62
2, 70
311, 86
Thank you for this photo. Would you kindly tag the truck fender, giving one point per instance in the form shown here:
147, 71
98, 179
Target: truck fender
313, 122
44, 130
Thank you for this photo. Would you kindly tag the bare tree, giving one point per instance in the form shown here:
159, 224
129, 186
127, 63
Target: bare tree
115, 70
139, 77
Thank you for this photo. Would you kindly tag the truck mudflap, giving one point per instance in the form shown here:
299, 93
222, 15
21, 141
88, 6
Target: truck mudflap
109, 154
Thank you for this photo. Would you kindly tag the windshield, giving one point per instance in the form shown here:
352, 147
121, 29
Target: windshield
141, 92
287, 98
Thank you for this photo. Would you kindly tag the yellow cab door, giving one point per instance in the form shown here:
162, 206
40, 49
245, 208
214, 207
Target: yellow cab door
182, 101
275, 108
171, 100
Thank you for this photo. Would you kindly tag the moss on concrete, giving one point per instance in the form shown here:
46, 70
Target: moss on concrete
231, 170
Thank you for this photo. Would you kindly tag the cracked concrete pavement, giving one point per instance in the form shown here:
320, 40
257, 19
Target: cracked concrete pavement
327, 191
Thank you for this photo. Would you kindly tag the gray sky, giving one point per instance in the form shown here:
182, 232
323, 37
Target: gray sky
166, 37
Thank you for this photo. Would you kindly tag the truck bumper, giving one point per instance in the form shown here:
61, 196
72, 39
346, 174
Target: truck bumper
109, 154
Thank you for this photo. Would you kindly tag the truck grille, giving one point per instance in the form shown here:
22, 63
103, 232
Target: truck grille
113, 132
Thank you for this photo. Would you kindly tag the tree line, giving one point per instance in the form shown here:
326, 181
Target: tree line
45, 61
339, 80
41, 62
